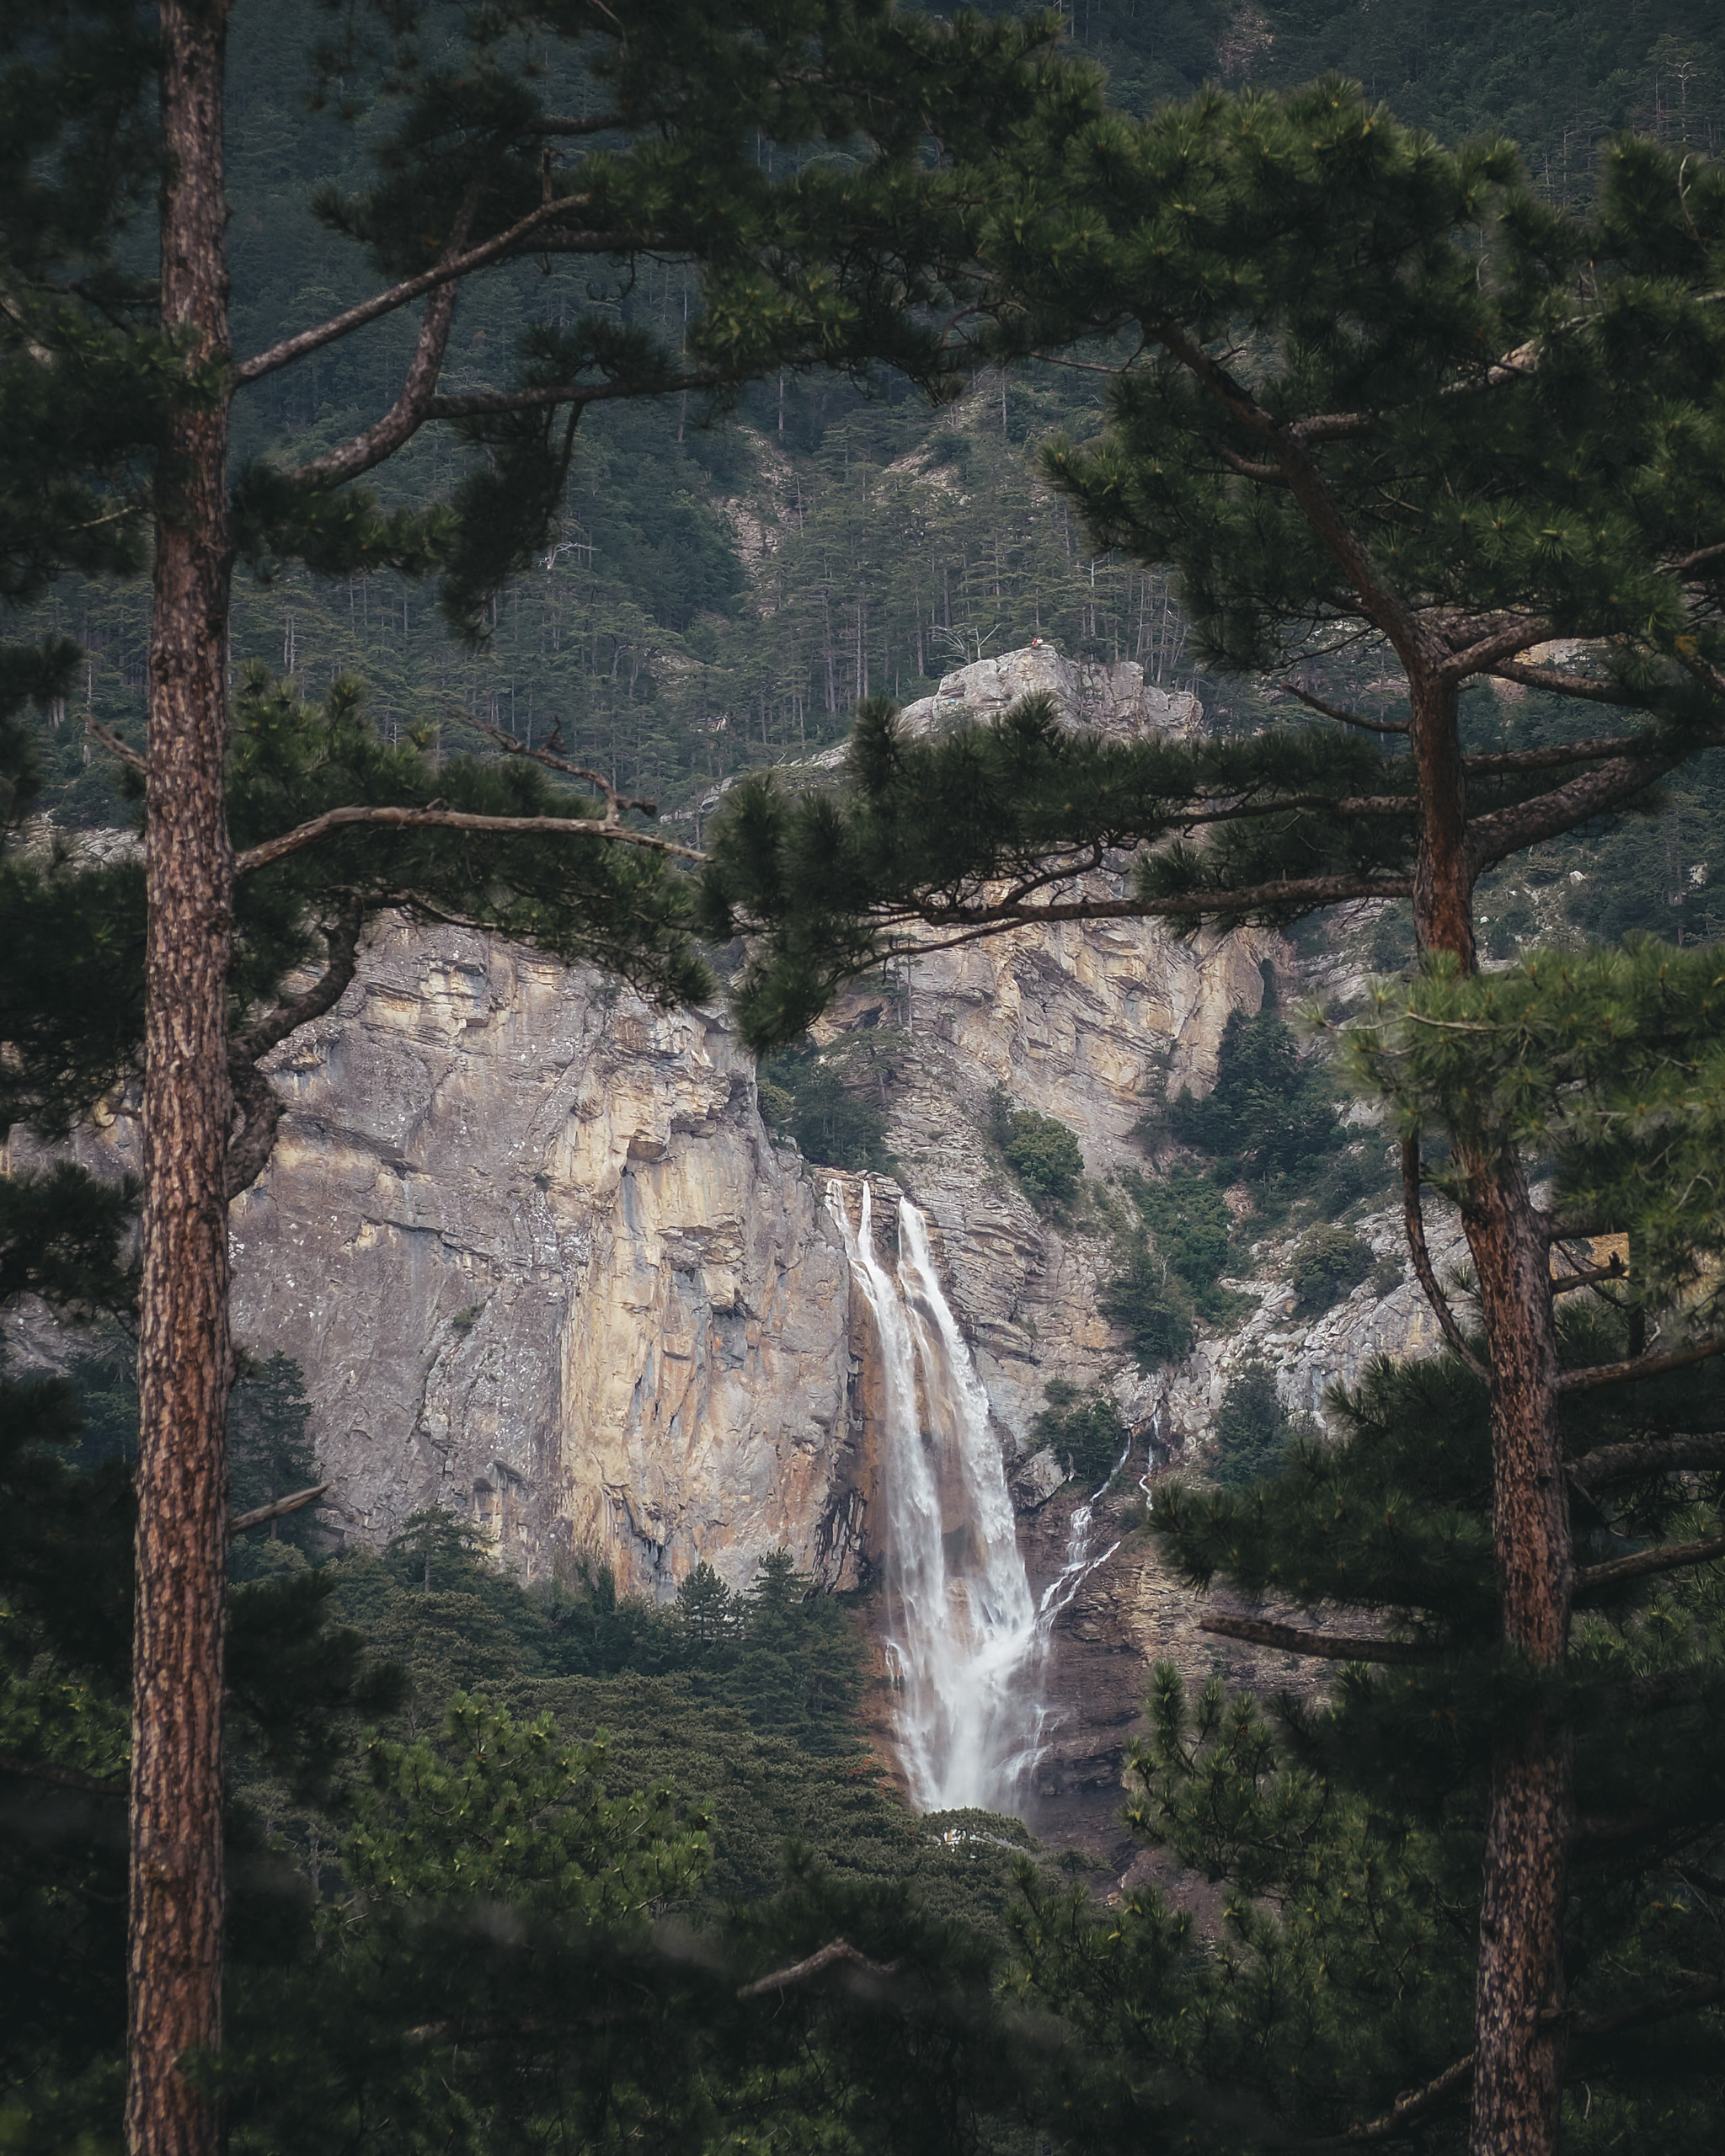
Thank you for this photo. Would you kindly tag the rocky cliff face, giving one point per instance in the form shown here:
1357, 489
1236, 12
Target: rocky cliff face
544, 1266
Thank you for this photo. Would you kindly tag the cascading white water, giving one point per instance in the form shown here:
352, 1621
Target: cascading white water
964, 1624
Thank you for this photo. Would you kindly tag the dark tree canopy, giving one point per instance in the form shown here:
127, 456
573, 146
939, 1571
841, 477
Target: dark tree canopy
1368, 389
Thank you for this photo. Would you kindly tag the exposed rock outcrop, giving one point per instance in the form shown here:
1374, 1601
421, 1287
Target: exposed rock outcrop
543, 1265
542, 1262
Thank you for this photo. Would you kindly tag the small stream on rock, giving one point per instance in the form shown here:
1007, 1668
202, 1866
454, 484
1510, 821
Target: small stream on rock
966, 1640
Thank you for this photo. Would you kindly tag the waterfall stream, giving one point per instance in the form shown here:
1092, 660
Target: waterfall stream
963, 1624
967, 1642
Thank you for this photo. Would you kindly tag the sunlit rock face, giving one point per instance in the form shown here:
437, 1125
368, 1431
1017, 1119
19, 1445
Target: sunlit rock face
1087, 1024
542, 1266
1115, 701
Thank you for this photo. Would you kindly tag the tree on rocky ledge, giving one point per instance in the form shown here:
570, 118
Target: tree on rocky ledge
1375, 393
565, 132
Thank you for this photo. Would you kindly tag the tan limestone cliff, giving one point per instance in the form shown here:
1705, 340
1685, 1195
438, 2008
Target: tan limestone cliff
542, 1266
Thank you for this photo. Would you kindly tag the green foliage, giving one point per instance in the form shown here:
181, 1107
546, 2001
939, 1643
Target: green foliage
487, 1814
1270, 1113
788, 1659
1151, 1301
1041, 1152
1169, 1255
1327, 1262
270, 1450
1193, 1227
1086, 1430
1607, 1064
1243, 229
816, 880
71, 1008
1347, 1832
1253, 1428
830, 1100
297, 1685
1350, 1838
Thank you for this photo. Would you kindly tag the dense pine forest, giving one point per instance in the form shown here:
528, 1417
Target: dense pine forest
726, 585
553, 1867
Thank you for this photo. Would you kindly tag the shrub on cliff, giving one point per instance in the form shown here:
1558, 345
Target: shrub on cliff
1253, 1427
1042, 1151
1270, 1113
1328, 1262
1084, 1429
829, 1100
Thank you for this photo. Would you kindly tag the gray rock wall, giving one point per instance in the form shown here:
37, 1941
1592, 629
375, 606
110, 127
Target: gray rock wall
542, 1265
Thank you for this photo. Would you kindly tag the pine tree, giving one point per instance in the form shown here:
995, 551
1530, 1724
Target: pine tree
295, 1683
1367, 392
1351, 1841
117, 390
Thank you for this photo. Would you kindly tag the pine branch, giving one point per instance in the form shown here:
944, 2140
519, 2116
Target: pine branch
1329, 1646
1510, 831
1346, 717
114, 746
1596, 1830
1414, 1221
1268, 475
1333, 426
476, 403
1638, 1366
603, 123
1406, 2110
1574, 752
341, 961
450, 268
1562, 685
1667, 1557
1701, 1991
1301, 894
1383, 606
454, 819
800, 1972
615, 803
1556, 1230
280, 1510
1624, 1463
62, 1777
1503, 642
1565, 1282
407, 415
257, 1100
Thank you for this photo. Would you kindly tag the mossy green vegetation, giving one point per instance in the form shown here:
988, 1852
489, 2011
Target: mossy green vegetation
1328, 1262
832, 1100
1086, 1431
1044, 1154
1253, 1430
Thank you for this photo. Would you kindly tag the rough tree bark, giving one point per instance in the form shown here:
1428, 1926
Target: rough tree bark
1519, 2036
174, 1974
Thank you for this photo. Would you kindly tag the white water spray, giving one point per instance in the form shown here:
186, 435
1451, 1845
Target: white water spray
964, 1626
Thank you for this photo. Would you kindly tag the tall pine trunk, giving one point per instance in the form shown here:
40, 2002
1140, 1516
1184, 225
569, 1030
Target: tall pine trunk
174, 1972
1518, 2052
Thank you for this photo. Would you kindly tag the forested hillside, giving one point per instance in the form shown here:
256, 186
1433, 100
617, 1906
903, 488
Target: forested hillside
726, 585
546, 1866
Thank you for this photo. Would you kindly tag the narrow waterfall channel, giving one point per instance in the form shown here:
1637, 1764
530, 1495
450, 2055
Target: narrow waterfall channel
963, 1632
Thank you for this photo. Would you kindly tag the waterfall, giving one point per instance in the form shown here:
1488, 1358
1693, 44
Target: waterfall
963, 1630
